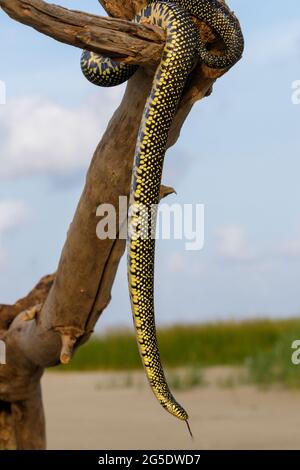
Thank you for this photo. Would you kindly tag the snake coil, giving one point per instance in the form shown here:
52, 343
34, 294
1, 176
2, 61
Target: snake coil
182, 45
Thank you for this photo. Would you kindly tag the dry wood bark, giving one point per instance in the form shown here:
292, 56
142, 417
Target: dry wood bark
114, 37
73, 299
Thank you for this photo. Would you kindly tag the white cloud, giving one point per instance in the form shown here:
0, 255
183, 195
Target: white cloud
233, 244
38, 136
12, 215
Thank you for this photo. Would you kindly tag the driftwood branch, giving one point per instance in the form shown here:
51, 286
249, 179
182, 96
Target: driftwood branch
123, 8
60, 314
113, 37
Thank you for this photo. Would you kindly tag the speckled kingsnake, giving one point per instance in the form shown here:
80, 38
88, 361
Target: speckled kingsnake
182, 45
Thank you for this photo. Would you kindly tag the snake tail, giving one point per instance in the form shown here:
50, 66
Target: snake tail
168, 84
183, 44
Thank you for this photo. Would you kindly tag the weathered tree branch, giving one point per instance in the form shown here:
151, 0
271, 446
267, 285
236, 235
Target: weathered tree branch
82, 286
113, 37
123, 8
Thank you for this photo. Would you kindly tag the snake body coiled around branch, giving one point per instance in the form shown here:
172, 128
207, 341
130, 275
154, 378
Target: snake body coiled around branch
183, 44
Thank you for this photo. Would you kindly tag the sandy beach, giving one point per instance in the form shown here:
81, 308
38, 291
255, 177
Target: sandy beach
101, 411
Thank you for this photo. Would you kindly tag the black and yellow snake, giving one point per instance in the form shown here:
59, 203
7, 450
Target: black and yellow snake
183, 44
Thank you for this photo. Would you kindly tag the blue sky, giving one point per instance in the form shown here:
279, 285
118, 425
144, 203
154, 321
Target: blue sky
238, 154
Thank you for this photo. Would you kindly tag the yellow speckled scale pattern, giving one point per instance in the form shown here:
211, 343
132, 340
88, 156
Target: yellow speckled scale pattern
183, 44
169, 80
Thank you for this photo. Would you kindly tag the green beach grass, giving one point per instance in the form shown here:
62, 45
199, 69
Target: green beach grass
263, 346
